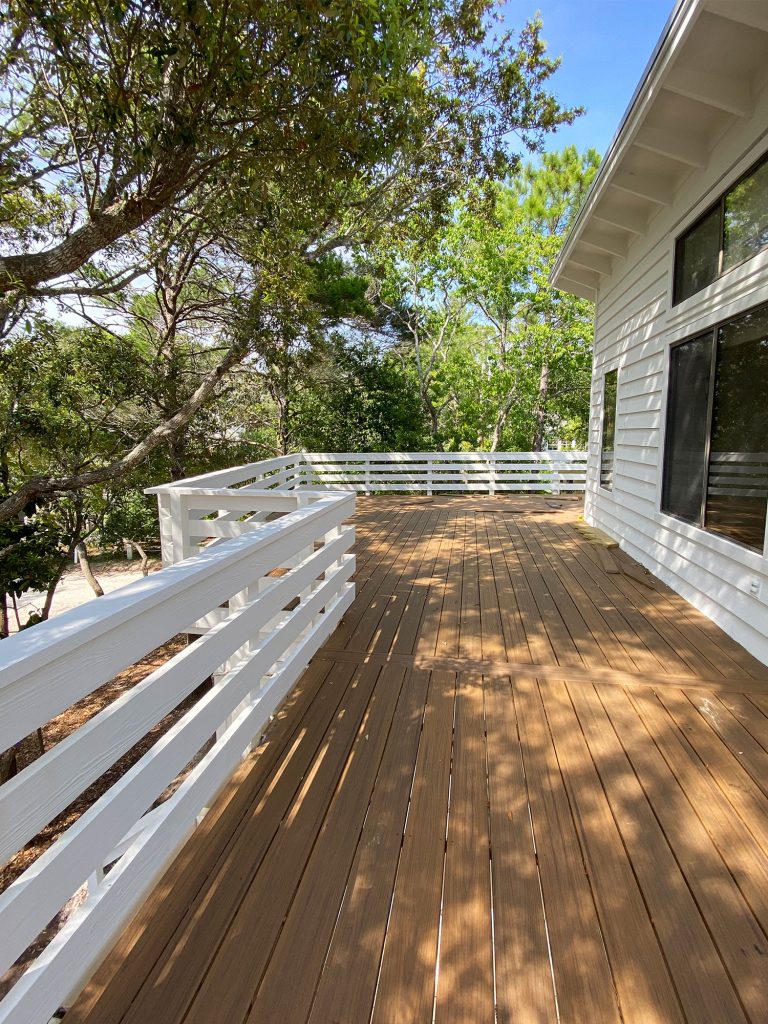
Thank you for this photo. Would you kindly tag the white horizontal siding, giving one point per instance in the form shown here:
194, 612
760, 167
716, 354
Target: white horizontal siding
636, 469
633, 330
716, 584
639, 405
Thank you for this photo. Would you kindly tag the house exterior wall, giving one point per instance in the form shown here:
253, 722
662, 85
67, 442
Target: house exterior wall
635, 324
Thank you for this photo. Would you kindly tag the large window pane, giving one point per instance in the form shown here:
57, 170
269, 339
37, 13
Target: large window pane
697, 256
687, 427
746, 218
737, 491
610, 383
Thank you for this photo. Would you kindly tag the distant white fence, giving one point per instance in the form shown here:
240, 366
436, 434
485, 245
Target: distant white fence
488, 472
261, 628
738, 474
368, 472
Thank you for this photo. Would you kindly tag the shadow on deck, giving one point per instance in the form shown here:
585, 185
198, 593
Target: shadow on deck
511, 785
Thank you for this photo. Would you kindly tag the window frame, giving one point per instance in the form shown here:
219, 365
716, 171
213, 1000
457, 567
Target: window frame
719, 203
713, 330
606, 373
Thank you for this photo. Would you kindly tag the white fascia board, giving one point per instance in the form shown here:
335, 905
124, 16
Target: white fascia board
676, 31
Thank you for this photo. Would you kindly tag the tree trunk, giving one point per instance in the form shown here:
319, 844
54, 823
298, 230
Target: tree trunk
178, 450
284, 433
141, 553
85, 566
434, 420
8, 765
16, 611
501, 421
5, 625
51, 591
541, 407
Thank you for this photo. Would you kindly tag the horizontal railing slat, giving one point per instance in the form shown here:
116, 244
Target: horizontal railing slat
233, 475
313, 458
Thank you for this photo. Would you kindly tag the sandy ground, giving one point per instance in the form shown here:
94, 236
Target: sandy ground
73, 590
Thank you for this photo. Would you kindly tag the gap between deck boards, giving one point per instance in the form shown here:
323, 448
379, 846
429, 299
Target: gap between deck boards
540, 671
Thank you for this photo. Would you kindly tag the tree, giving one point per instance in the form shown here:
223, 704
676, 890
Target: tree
358, 398
508, 357
122, 110
417, 290
310, 129
29, 559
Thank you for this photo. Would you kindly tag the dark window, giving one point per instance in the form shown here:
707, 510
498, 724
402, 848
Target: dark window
685, 459
716, 454
734, 229
697, 256
610, 384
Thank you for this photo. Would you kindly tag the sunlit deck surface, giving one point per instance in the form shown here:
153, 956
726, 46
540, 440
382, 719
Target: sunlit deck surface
511, 786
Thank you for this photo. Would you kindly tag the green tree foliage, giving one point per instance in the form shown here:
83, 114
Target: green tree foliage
225, 151
29, 560
119, 111
503, 360
73, 397
358, 398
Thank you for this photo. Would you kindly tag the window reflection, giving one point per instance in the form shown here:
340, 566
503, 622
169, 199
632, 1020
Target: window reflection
697, 256
687, 428
734, 229
609, 429
737, 488
746, 218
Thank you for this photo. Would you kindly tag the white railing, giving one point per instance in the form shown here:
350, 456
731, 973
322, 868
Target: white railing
369, 472
258, 638
487, 472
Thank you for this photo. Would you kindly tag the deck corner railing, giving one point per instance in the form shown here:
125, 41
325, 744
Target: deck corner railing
265, 578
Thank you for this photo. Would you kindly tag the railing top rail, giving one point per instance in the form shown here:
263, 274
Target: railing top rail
223, 477
447, 456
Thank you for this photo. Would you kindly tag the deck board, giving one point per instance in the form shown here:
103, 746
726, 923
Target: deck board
512, 787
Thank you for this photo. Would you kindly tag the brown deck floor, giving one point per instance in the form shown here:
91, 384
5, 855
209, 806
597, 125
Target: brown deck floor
513, 786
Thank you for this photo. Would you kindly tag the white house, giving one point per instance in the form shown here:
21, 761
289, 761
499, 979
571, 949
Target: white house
672, 245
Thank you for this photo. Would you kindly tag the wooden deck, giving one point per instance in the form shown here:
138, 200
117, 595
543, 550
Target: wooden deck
513, 787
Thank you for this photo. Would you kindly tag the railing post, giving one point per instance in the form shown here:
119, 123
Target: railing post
165, 518
429, 475
180, 546
492, 474
556, 478
367, 476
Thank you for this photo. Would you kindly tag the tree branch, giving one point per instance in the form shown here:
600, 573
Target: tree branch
41, 486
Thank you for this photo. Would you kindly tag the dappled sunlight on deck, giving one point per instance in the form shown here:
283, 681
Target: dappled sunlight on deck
518, 783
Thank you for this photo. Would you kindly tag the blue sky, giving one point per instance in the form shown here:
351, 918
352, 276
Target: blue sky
605, 46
